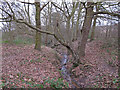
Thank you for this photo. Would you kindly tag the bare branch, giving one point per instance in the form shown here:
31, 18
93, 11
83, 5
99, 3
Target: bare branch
5, 18
67, 9
109, 13
6, 12
27, 3
20, 14
11, 9
43, 6
73, 10
46, 32
21, 10
106, 17
6, 21
33, 27
59, 8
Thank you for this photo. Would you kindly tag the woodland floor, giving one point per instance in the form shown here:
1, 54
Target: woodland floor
23, 66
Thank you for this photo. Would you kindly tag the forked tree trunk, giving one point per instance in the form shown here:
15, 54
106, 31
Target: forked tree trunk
85, 29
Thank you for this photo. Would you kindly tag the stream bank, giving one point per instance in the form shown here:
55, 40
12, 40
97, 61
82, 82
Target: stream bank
66, 75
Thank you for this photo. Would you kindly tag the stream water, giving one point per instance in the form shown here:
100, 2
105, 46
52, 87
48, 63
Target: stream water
66, 74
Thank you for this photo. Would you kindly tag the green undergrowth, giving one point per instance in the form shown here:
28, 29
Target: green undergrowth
23, 41
48, 83
19, 40
4, 41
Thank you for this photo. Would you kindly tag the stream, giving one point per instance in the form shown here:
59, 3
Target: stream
66, 74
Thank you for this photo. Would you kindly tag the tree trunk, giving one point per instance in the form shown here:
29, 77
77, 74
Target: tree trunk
106, 35
10, 34
29, 13
93, 29
77, 23
85, 29
46, 37
49, 22
73, 31
69, 41
38, 25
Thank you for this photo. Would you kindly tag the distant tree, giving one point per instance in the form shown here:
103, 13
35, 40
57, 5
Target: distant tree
78, 22
68, 13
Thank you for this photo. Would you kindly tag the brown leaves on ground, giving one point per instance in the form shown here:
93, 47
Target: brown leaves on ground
97, 72
27, 64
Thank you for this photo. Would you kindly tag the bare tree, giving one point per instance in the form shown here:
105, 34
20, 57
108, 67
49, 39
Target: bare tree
68, 14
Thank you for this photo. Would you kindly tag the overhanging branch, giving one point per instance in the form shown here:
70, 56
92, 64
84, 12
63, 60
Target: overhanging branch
47, 32
33, 27
109, 13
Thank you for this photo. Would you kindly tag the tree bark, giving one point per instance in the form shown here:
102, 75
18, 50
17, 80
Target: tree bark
11, 35
77, 23
49, 22
38, 25
69, 41
93, 29
85, 29
73, 31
